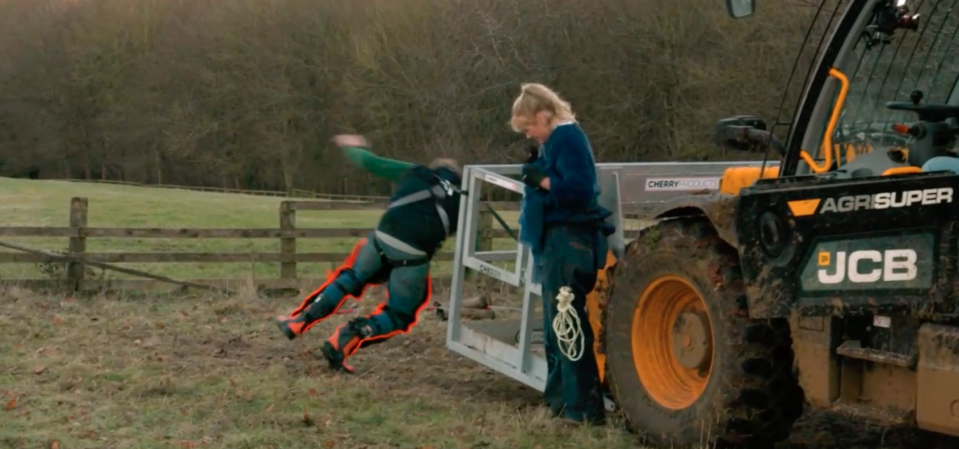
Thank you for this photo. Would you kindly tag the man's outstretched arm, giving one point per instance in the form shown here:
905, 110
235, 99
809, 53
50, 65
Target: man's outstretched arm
356, 149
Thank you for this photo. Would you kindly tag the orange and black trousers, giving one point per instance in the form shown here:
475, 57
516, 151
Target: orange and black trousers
404, 270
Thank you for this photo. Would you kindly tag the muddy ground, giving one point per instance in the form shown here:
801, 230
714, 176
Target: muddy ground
197, 371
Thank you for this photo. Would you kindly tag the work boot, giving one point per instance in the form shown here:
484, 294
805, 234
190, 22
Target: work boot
291, 326
344, 342
296, 325
579, 419
574, 422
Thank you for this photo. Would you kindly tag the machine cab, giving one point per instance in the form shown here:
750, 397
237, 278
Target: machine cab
879, 104
888, 102
880, 99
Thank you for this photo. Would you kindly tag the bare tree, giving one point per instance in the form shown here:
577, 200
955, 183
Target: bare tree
247, 94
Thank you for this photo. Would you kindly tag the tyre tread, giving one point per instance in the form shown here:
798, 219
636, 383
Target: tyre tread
763, 398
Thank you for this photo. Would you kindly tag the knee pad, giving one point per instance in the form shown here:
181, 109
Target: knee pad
379, 327
383, 323
321, 308
363, 327
347, 283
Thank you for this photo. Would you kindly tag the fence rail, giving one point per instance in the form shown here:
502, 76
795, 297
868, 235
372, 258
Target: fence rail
333, 201
77, 233
77, 276
293, 193
360, 201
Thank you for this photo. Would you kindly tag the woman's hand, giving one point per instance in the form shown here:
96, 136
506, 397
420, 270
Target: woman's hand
534, 177
350, 140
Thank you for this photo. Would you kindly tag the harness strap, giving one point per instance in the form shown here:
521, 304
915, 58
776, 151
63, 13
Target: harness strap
397, 263
438, 193
444, 218
417, 196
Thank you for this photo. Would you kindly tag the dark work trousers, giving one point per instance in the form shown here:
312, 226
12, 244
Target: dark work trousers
571, 257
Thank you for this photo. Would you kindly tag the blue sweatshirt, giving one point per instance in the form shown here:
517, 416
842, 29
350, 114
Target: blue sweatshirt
573, 187
567, 158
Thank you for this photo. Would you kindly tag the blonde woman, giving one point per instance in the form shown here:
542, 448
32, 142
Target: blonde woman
566, 230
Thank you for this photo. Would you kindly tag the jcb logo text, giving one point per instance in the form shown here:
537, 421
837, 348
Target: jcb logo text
867, 266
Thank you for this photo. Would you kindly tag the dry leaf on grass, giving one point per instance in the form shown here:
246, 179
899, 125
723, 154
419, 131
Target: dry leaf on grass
313, 393
12, 404
187, 444
330, 444
54, 444
307, 421
39, 369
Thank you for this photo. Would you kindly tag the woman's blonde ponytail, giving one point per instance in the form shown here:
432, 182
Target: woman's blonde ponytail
535, 98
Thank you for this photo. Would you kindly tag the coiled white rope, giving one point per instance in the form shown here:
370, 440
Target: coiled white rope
567, 327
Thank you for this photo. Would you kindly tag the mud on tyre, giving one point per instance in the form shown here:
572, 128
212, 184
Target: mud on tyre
686, 365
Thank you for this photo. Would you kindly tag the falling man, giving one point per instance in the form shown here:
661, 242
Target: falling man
421, 215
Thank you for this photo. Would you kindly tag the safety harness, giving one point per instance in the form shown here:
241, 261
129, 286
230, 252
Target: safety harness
384, 260
438, 192
441, 190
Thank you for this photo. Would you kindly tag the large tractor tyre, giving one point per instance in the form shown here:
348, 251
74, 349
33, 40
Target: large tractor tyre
686, 365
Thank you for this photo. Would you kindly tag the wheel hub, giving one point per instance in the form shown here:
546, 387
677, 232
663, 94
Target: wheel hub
690, 340
672, 342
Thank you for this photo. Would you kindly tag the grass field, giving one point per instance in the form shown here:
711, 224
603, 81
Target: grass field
207, 371
203, 371
211, 372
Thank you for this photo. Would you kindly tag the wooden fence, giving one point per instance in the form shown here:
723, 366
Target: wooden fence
76, 276
336, 201
362, 201
293, 193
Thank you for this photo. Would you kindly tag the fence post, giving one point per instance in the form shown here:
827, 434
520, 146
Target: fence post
78, 242
484, 231
288, 244
484, 238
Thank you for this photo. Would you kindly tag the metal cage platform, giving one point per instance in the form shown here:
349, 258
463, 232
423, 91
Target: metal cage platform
507, 346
